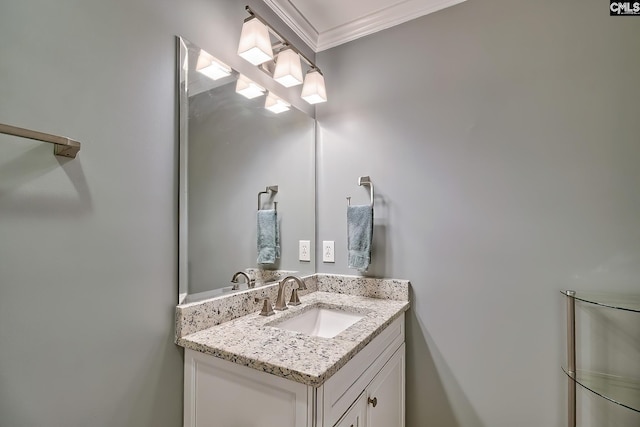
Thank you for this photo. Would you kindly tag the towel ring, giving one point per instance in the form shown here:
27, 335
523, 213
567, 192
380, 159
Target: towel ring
364, 180
271, 188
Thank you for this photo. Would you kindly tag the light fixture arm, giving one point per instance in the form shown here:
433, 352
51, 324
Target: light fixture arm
286, 43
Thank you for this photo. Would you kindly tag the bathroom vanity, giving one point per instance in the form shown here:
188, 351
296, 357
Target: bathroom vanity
255, 370
288, 369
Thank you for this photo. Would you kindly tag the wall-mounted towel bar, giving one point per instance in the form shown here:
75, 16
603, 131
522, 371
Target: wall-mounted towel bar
272, 189
364, 180
63, 146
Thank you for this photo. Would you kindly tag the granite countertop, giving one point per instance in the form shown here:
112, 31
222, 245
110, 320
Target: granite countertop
252, 342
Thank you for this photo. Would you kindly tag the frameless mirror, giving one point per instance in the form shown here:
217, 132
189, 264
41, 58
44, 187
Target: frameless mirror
231, 149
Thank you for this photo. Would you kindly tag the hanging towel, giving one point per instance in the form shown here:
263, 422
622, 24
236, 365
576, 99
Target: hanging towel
359, 234
268, 236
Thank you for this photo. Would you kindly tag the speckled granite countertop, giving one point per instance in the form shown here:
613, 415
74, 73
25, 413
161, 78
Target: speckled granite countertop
252, 342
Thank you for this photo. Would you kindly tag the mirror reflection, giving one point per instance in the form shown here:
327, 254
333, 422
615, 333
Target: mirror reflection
231, 149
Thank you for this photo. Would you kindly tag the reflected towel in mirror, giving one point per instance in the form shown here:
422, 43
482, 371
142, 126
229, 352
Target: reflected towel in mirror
268, 236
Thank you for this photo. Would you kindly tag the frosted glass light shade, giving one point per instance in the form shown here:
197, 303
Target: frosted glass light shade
275, 104
255, 43
211, 67
248, 88
313, 90
288, 70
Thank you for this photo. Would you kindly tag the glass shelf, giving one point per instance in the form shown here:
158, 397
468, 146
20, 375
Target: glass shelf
619, 390
611, 300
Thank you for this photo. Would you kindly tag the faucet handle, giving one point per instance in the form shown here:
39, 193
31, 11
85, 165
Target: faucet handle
267, 309
294, 293
294, 298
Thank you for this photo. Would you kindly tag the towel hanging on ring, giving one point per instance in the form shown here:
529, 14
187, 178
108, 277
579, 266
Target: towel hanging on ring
360, 230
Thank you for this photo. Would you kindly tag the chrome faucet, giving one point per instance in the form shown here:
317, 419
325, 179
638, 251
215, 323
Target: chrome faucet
280, 301
236, 285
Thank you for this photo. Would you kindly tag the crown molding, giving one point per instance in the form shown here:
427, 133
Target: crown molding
393, 15
381, 20
296, 21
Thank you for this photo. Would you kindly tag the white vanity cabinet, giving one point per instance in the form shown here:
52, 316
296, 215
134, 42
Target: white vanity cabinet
220, 393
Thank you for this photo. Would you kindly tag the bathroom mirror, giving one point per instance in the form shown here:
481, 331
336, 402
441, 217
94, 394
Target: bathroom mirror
232, 148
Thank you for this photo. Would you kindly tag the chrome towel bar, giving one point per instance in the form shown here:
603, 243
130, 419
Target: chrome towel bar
63, 146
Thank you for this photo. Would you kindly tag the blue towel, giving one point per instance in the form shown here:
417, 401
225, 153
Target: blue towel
360, 234
268, 236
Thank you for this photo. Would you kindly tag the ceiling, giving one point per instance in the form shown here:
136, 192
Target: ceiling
324, 24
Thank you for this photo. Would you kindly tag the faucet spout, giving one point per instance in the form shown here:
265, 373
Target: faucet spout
236, 285
280, 301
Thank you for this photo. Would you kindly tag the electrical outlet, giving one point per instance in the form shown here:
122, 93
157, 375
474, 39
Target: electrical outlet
328, 254
304, 250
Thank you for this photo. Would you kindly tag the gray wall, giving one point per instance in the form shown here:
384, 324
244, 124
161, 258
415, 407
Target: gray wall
502, 140
88, 247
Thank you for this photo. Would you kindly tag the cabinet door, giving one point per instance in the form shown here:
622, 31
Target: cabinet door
221, 393
385, 394
355, 415
339, 392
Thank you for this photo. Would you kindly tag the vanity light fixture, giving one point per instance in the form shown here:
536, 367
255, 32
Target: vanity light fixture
313, 90
212, 67
287, 69
275, 104
247, 88
255, 42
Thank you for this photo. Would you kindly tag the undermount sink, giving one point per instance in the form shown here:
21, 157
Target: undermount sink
319, 321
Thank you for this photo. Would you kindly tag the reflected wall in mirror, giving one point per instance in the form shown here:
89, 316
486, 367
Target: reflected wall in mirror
232, 148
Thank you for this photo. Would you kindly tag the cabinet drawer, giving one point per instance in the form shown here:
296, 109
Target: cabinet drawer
340, 391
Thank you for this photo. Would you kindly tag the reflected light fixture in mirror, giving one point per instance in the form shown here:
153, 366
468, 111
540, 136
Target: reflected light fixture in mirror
288, 70
212, 67
313, 90
255, 43
275, 104
288, 67
247, 88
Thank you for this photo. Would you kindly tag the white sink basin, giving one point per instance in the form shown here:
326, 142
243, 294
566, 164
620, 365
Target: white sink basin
320, 321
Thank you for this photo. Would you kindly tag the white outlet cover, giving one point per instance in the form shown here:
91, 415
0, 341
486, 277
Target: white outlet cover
304, 250
328, 251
